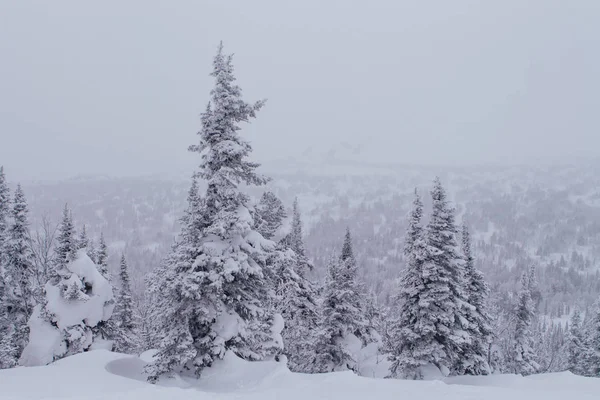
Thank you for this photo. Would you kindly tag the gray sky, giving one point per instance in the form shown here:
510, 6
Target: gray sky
115, 87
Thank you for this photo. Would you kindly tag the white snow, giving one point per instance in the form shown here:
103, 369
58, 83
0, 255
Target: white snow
103, 375
70, 317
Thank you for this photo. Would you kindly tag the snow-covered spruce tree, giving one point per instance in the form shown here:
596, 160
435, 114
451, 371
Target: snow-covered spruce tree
269, 215
126, 335
412, 343
66, 247
105, 330
295, 241
19, 271
523, 358
216, 295
296, 298
576, 345
343, 315
593, 342
8, 350
182, 255
473, 360
83, 241
444, 318
102, 258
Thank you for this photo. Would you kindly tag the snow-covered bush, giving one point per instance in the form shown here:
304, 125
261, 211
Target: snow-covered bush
74, 303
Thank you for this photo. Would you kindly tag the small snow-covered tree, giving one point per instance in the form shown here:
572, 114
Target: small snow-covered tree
270, 214
66, 247
593, 340
473, 360
295, 241
523, 358
576, 345
216, 292
76, 300
296, 297
126, 339
412, 343
343, 316
83, 241
102, 258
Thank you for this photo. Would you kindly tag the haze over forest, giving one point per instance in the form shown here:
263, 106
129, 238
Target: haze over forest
116, 88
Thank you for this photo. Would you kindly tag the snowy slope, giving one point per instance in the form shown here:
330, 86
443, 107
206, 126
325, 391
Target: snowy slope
104, 375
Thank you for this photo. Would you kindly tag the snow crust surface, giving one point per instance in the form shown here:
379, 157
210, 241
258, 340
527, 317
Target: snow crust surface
104, 375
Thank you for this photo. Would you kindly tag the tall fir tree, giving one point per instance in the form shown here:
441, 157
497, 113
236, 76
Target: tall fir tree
126, 337
342, 314
473, 360
8, 350
412, 343
216, 297
19, 297
295, 295
444, 298
4, 221
523, 358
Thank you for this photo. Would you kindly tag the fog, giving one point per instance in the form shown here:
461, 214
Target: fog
116, 88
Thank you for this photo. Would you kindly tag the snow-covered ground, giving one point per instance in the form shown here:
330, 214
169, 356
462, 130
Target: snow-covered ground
103, 375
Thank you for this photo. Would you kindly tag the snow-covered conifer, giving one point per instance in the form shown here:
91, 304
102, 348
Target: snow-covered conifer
102, 258
412, 344
270, 214
593, 340
18, 294
343, 316
576, 345
216, 296
523, 358
442, 324
126, 328
295, 241
473, 360
66, 248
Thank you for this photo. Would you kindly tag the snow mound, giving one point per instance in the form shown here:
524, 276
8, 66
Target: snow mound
60, 322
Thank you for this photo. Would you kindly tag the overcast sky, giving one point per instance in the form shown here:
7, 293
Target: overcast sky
115, 87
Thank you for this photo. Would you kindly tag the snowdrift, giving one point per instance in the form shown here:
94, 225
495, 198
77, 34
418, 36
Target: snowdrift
104, 375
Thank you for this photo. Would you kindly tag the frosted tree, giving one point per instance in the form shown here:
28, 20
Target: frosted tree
473, 360
295, 241
216, 296
66, 247
593, 355
442, 300
270, 214
523, 358
126, 340
576, 345
4, 220
296, 298
412, 342
102, 258
83, 241
343, 315
20, 265
77, 298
